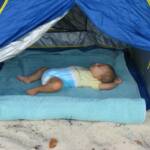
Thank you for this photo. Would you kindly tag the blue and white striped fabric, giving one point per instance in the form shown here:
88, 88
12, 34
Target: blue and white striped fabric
65, 74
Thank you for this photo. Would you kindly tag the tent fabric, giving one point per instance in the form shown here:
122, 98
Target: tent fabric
125, 20
76, 30
75, 20
17, 47
103, 40
65, 39
21, 17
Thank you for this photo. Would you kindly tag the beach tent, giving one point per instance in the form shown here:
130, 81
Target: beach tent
119, 25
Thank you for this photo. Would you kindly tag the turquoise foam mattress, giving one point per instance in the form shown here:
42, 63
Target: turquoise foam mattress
122, 104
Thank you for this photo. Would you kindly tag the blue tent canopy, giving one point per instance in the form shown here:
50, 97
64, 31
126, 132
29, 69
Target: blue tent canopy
22, 16
125, 20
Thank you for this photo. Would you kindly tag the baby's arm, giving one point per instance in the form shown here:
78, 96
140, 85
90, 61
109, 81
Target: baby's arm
109, 86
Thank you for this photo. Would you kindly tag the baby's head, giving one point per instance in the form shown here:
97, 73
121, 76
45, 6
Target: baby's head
103, 72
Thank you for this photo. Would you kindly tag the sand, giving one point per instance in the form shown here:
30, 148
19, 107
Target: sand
74, 135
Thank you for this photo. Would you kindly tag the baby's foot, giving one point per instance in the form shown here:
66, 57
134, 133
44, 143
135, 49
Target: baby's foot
24, 79
31, 92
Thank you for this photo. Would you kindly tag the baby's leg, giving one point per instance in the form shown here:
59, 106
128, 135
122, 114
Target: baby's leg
33, 77
53, 85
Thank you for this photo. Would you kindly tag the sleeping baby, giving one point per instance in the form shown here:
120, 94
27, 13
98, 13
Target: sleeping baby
97, 76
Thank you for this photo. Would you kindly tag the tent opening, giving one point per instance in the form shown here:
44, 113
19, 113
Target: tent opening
75, 41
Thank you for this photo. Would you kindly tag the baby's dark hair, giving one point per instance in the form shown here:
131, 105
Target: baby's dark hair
109, 75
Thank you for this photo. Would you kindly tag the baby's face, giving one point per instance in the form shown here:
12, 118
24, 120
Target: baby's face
98, 70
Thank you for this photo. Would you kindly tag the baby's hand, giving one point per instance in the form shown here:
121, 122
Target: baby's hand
118, 81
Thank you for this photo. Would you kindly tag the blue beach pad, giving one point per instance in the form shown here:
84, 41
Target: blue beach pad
122, 104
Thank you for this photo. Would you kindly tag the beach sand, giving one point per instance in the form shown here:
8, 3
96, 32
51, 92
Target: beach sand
74, 135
